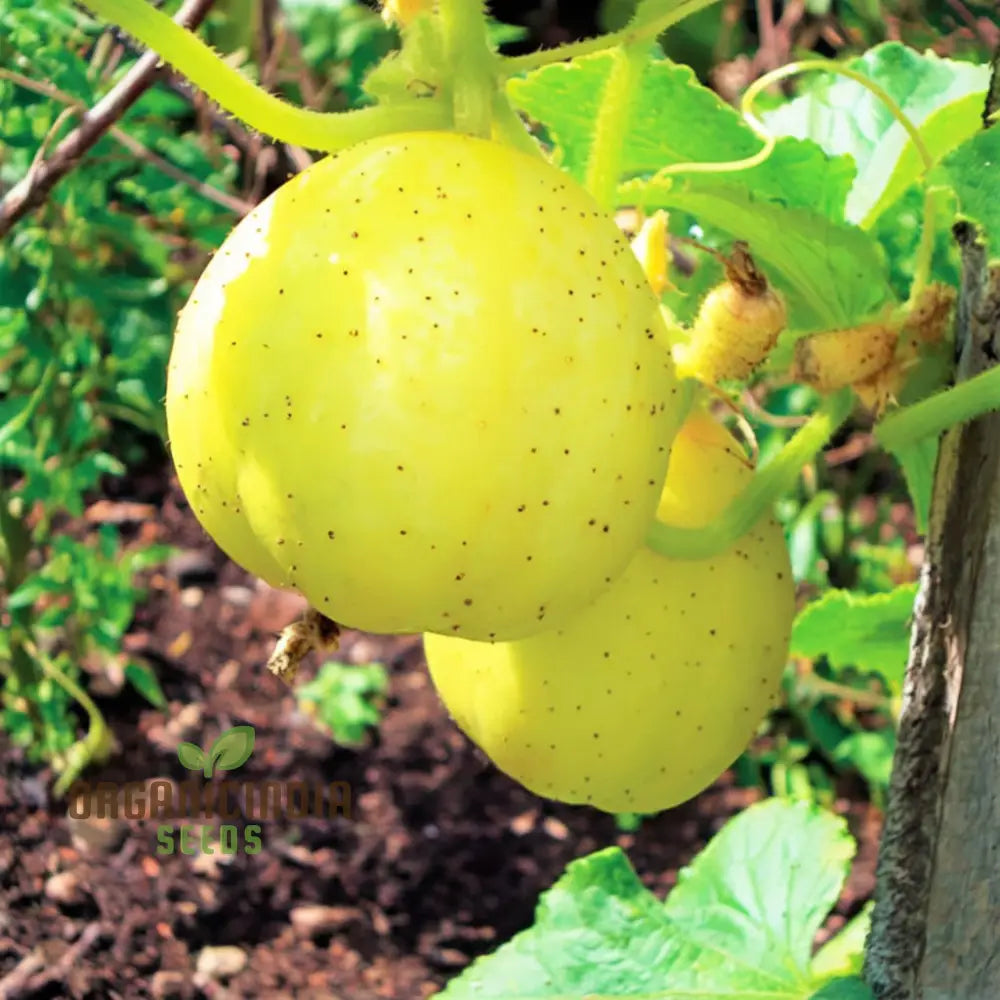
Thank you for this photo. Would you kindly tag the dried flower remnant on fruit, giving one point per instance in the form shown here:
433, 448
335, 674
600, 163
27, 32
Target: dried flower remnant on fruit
737, 325
313, 631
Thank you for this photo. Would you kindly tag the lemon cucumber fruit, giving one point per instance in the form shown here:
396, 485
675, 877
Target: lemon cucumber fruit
647, 695
421, 384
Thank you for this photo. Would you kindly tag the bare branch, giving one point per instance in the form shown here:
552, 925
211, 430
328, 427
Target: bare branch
33, 189
137, 149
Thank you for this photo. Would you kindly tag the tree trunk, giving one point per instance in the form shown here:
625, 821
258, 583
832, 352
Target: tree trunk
936, 924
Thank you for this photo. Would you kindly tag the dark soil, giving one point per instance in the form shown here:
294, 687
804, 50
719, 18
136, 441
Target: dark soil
442, 859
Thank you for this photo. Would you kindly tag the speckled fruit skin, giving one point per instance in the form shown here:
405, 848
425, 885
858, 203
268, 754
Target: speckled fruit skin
420, 384
652, 691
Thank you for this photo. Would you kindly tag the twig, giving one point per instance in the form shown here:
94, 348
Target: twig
763, 416
136, 148
70, 958
13, 984
31, 191
767, 54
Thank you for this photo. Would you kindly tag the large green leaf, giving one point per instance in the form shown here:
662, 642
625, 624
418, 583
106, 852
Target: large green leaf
844, 954
832, 273
790, 208
942, 97
677, 120
867, 631
738, 925
763, 887
973, 172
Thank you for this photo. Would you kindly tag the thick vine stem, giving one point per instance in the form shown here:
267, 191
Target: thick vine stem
767, 486
936, 414
255, 107
474, 77
605, 164
644, 30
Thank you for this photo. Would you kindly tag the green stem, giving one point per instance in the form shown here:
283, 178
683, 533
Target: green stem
826, 65
936, 414
831, 689
255, 107
635, 31
98, 739
20, 419
473, 64
769, 483
604, 166
508, 127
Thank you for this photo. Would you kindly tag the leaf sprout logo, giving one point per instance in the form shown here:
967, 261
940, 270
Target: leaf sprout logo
184, 811
230, 750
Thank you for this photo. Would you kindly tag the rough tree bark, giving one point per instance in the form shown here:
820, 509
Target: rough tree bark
936, 924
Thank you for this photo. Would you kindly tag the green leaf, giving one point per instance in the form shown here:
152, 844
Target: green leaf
502, 34
972, 172
764, 886
844, 953
870, 632
347, 698
871, 753
938, 95
142, 677
918, 462
191, 756
738, 925
833, 274
231, 749
676, 120
850, 988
